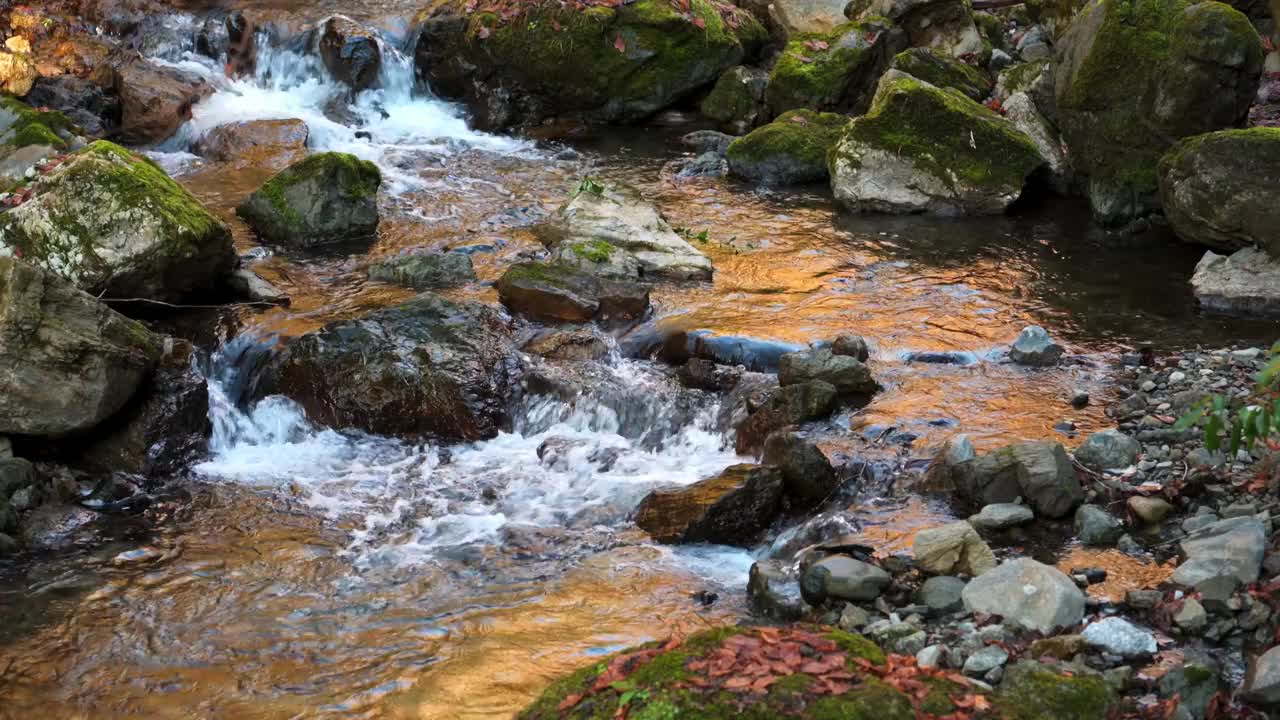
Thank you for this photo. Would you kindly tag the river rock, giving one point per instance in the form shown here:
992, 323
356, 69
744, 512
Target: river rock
707, 141
732, 508
985, 660
941, 594
54, 525
953, 548
614, 64
425, 270
773, 591
848, 375
558, 344
429, 366
23, 126
833, 71
1191, 617
1151, 510
943, 25
1021, 110
137, 233
1108, 449
791, 150
607, 226
785, 406
556, 293
807, 16
1245, 283
1190, 69
907, 156
943, 71
737, 100
327, 197
350, 53
92, 108
1263, 683
1026, 593
702, 374
840, 577
155, 100
1095, 526
854, 346
951, 466
274, 143
247, 285
1040, 472
67, 362
1033, 347
1231, 548
1120, 637
1002, 516
807, 475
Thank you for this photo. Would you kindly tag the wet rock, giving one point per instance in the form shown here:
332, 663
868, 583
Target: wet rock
840, 577
53, 526
326, 197
704, 165
138, 234
248, 286
350, 53
853, 346
703, 374
1120, 637
607, 225
1040, 472
429, 366
155, 100
1033, 347
87, 105
943, 25
1263, 683
557, 293
953, 548
1151, 510
807, 16
985, 660
1230, 549
791, 150
874, 170
8, 545
848, 375
1026, 593
785, 406
950, 468
1194, 69
425, 270
774, 592
943, 71
1095, 526
807, 475
1001, 516
1245, 283
1108, 450
67, 362
732, 508
707, 141
737, 100
833, 71
568, 345
941, 594
274, 143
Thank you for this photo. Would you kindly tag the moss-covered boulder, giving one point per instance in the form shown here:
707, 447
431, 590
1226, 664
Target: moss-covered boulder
788, 151
22, 125
1031, 690
115, 224
553, 292
425, 270
944, 25
928, 149
1223, 189
944, 72
732, 508
737, 100
836, 70
1135, 76
327, 197
615, 64
1034, 78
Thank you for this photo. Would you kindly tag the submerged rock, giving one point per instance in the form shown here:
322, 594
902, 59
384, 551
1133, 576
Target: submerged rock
732, 508
1245, 283
1028, 594
943, 71
737, 100
835, 70
926, 149
425, 270
791, 150
350, 53
115, 224
327, 197
556, 293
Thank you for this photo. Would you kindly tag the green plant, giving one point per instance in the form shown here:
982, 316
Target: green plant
1256, 421
589, 186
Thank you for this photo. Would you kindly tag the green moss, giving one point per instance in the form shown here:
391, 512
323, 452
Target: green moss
943, 72
872, 701
839, 76
1018, 78
596, 251
735, 97
555, 275
33, 127
275, 216
1032, 691
857, 646
992, 30
791, 149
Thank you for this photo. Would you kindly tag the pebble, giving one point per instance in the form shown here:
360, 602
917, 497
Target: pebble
985, 660
1120, 637
1177, 376
1148, 386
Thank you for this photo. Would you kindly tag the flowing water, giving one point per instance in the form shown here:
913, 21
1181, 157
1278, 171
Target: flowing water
311, 571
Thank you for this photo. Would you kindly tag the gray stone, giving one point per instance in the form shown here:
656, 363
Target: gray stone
423, 270
1120, 637
773, 591
1040, 472
931, 656
942, 594
951, 465
1108, 450
854, 618
1191, 617
843, 578
1001, 516
1033, 347
325, 198
1263, 683
1231, 548
1151, 510
807, 475
1245, 283
986, 660
1194, 682
952, 548
1026, 593
1095, 526
849, 376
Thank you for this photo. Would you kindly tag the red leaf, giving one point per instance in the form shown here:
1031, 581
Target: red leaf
619, 44
569, 702
816, 44
555, 24
702, 24
803, 59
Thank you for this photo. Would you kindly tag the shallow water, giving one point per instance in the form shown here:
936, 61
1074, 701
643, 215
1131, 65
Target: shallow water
322, 571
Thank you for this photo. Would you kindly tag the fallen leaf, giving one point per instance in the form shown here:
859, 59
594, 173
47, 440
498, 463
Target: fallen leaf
702, 24
619, 44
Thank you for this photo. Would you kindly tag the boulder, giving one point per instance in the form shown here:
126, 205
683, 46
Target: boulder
950, 467
941, 594
840, 577
1246, 283
642, 57
155, 100
326, 197
848, 375
1038, 690
94, 109
350, 53
1034, 347
429, 366
1039, 472
773, 591
1095, 526
425, 270
943, 71
612, 230
737, 100
115, 224
926, 149
1263, 684
275, 143
1231, 548
1021, 110
1218, 189
1035, 79
570, 345
791, 150
1001, 516
557, 293
1120, 637
1108, 449
953, 548
1189, 68
835, 70
788, 405
943, 25
732, 508
67, 362
1028, 594
17, 72
807, 16
807, 475
24, 126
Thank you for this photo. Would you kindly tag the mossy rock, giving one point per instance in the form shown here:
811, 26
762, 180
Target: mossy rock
927, 149
737, 100
1222, 189
1135, 76
943, 72
114, 223
946, 26
836, 70
326, 197
556, 292
788, 151
612, 64
1031, 691
425, 270
22, 125
993, 31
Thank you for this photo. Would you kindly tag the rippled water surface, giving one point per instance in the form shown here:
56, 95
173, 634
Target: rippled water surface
320, 571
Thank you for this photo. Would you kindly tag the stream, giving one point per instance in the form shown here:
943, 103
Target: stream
306, 571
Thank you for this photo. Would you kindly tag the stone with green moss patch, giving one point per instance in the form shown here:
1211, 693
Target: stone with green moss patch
22, 125
928, 149
1031, 691
836, 70
788, 151
944, 25
114, 223
425, 270
737, 100
1135, 76
943, 72
326, 197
